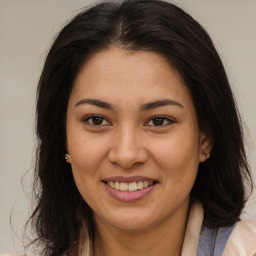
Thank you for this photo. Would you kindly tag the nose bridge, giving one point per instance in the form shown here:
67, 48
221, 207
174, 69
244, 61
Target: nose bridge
127, 140
127, 148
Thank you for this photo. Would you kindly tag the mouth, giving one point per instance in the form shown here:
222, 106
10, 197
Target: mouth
129, 189
130, 186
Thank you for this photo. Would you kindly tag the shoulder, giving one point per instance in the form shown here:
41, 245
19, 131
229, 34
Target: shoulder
212, 241
236, 240
242, 240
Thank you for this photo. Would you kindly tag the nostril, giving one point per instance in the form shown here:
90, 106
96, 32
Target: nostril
127, 156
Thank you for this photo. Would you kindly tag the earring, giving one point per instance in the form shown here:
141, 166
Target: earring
206, 156
67, 157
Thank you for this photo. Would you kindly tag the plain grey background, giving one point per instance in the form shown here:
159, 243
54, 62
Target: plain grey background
27, 28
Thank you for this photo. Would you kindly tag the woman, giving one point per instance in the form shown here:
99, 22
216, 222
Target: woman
140, 143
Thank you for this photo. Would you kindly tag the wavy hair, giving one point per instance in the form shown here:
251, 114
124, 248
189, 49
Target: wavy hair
156, 26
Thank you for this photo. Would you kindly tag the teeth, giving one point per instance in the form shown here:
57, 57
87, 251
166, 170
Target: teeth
124, 186
140, 185
112, 184
133, 186
117, 185
145, 184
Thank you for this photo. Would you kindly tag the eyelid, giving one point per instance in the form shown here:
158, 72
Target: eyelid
169, 119
166, 118
88, 117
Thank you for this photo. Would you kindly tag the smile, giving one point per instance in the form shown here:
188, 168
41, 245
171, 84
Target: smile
130, 187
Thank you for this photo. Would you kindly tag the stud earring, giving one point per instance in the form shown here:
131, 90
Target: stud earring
206, 156
67, 157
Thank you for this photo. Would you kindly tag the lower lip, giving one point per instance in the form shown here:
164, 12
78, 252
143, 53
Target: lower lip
125, 196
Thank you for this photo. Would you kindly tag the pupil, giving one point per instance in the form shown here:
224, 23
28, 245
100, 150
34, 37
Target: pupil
158, 121
97, 120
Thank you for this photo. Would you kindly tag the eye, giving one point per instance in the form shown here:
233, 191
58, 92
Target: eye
159, 121
96, 120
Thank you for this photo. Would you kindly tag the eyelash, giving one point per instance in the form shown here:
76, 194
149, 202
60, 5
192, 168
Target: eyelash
164, 118
151, 119
86, 120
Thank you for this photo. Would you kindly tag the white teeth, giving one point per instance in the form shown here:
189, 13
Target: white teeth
124, 186
145, 184
117, 185
140, 185
112, 184
132, 186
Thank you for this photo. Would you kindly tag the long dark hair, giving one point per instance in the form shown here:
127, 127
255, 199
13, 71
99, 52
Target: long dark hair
148, 25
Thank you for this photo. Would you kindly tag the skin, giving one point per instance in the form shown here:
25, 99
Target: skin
128, 141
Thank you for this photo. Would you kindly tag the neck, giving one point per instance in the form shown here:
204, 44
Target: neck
165, 239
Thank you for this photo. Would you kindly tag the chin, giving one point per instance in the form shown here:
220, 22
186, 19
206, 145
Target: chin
131, 225
130, 220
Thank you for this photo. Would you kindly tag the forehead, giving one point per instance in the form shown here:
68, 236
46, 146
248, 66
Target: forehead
131, 76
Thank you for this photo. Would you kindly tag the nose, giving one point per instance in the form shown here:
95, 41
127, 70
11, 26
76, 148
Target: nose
127, 149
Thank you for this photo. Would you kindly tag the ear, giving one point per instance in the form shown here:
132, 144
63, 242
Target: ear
206, 144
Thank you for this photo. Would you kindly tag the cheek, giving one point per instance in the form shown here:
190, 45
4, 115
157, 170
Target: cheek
86, 158
176, 151
178, 159
87, 152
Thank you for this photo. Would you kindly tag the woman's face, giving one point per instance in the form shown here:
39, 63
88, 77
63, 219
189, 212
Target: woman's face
133, 139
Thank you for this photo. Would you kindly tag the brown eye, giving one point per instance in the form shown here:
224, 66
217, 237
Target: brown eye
96, 120
159, 121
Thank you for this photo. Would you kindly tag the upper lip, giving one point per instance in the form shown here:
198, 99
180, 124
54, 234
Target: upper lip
128, 179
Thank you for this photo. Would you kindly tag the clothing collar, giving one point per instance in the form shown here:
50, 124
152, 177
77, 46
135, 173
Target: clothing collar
194, 225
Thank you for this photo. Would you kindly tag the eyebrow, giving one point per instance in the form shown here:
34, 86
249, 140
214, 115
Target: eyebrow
95, 102
160, 103
144, 107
